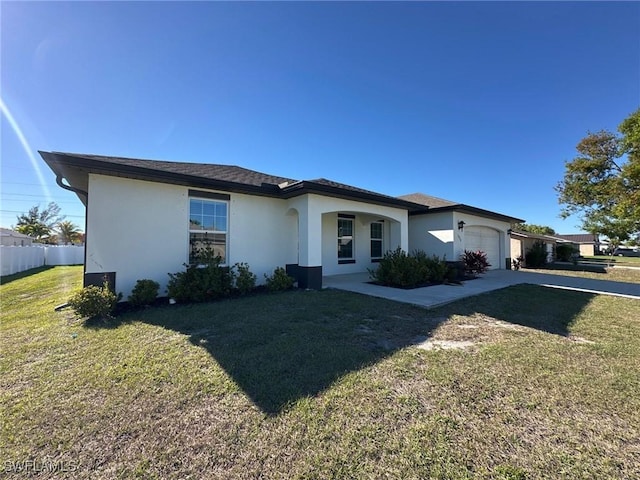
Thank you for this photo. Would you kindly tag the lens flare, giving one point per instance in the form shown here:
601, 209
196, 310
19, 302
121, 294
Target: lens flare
25, 145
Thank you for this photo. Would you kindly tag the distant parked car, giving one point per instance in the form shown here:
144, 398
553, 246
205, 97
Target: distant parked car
627, 252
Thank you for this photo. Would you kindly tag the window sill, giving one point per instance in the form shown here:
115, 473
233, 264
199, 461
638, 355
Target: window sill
375, 260
345, 261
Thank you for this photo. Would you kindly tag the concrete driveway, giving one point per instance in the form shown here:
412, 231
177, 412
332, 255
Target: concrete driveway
492, 280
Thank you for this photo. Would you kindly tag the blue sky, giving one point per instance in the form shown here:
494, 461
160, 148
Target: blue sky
477, 102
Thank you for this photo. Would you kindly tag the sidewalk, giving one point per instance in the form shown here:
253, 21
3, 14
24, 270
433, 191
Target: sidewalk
492, 280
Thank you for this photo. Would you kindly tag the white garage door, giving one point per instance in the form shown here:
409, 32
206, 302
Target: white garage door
485, 239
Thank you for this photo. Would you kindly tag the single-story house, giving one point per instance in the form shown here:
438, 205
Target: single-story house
521, 243
11, 238
588, 243
146, 218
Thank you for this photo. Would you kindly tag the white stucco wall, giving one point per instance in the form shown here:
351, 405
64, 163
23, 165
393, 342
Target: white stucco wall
140, 230
136, 229
433, 233
438, 234
262, 232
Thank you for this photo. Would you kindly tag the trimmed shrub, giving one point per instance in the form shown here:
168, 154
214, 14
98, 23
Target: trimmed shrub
244, 279
279, 280
456, 271
475, 262
536, 256
399, 269
565, 252
144, 293
201, 283
93, 301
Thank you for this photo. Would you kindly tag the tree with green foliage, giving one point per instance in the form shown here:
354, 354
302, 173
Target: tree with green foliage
602, 184
39, 224
532, 228
68, 232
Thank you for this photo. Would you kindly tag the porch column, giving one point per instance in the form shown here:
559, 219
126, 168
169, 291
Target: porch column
399, 235
310, 247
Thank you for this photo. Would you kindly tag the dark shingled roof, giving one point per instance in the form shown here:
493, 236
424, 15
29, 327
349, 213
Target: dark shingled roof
226, 173
74, 168
434, 205
522, 233
427, 200
343, 186
580, 237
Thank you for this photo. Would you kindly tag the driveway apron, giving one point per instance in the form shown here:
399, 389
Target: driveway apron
492, 280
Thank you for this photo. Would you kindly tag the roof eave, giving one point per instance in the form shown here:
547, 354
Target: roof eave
309, 187
460, 207
59, 162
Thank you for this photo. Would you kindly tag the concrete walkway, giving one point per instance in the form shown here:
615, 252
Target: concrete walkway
492, 280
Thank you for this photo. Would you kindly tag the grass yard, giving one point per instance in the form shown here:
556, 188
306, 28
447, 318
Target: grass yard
321, 385
616, 274
606, 260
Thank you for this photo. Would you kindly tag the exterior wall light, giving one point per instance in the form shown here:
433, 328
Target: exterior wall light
460, 225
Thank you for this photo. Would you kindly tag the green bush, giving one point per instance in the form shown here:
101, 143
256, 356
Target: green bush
93, 301
475, 262
437, 268
201, 283
279, 280
565, 252
144, 293
244, 279
536, 256
398, 269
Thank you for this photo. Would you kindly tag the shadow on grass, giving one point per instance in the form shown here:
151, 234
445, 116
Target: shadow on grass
27, 273
576, 268
281, 348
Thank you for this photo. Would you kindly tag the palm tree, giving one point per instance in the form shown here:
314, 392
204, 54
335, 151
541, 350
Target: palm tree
69, 232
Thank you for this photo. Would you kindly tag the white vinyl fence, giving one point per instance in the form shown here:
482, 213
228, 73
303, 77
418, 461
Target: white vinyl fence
18, 259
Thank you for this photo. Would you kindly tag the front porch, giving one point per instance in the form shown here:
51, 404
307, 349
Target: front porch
338, 236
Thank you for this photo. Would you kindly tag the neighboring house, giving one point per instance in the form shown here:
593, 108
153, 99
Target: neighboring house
521, 243
448, 228
11, 238
588, 243
147, 218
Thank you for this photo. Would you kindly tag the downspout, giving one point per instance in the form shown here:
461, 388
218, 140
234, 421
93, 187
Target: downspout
79, 192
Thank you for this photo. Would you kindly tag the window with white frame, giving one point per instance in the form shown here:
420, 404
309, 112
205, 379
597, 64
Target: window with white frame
345, 239
208, 220
377, 235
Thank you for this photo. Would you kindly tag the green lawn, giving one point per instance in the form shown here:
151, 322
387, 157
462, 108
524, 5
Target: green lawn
606, 259
321, 385
599, 272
